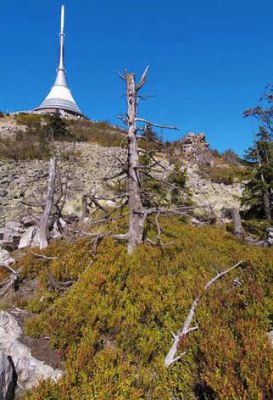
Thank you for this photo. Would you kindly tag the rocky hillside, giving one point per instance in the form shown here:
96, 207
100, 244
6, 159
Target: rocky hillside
98, 323
85, 163
82, 164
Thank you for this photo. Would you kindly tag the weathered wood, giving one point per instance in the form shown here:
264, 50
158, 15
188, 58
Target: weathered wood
136, 222
238, 229
43, 225
186, 329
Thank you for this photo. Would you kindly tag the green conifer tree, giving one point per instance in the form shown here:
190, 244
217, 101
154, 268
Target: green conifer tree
258, 190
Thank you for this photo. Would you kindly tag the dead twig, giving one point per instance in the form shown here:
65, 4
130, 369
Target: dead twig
43, 256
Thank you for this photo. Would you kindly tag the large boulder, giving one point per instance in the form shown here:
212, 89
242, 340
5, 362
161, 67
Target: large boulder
12, 233
29, 370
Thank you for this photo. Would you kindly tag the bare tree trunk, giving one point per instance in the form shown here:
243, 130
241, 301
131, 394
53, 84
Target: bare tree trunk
266, 205
85, 212
49, 203
136, 220
238, 229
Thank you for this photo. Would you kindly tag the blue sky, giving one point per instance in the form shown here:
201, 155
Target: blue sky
209, 60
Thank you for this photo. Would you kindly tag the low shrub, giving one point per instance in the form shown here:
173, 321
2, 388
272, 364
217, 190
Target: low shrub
31, 121
24, 146
223, 173
114, 326
101, 133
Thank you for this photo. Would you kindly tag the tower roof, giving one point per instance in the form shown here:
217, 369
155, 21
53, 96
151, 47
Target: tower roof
60, 96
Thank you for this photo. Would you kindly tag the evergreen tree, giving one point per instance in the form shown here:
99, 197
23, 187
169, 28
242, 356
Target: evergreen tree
258, 190
56, 128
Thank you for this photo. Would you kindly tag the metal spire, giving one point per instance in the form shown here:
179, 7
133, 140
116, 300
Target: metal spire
60, 96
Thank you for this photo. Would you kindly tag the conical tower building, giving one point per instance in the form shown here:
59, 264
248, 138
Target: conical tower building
60, 98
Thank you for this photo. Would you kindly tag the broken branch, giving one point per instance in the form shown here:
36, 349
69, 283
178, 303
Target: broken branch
186, 329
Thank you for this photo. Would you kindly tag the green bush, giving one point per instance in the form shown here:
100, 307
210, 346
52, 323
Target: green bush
114, 326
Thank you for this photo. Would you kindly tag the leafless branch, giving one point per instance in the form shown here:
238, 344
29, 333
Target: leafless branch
9, 284
156, 125
186, 329
37, 205
121, 76
143, 78
117, 175
57, 285
43, 256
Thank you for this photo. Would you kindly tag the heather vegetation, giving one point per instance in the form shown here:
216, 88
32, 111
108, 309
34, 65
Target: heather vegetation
113, 328
101, 133
36, 134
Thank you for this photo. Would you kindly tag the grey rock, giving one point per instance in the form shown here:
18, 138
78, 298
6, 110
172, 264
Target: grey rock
5, 258
6, 374
30, 371
3, 193
11, 234
30, 238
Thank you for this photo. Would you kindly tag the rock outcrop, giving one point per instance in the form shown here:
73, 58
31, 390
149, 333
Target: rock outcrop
29, 370
194, 147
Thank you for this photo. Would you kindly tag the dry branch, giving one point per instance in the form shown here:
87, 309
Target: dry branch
11, 283
143, 78
43, 256
157, 125
186, 329
57, 285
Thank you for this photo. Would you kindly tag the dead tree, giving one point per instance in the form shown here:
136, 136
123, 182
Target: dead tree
187, 328
52, 206
238, 229
137, 212
133, 173
43, 224
136, 220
